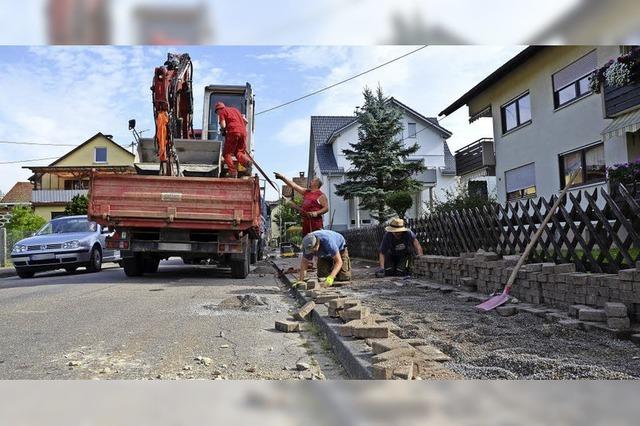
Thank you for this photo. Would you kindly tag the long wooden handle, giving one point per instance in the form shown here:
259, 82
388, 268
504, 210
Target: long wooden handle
536, 236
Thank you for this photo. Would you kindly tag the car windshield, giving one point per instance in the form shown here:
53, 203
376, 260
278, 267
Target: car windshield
67, 225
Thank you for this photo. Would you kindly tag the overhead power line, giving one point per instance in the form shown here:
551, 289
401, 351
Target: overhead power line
36, 143
342, 81
28, 161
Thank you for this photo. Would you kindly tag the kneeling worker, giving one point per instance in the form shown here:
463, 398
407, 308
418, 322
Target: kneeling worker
333, 258
397, 247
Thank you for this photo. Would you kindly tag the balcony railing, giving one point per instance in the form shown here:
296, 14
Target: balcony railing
55, 195
621, 99
476, 156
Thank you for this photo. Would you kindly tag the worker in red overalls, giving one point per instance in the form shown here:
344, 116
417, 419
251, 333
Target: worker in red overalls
233, 126
314, 203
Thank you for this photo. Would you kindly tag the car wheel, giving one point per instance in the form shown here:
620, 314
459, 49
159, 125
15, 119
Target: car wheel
70, 268
25, 273
95, 261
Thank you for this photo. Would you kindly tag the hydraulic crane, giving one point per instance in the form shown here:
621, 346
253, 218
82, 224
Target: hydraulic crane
172, 96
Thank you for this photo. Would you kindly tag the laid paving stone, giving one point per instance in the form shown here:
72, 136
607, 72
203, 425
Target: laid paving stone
384, 370
357, 312
591, 314
555, 316
506, 311
334, 313
312, 284
302, 314
616, 310
570, 323
370, 331
619, 323
431, 353
574, 309
404, 372
433, 370
393, 328
346, 330
379, 346
533, 311
395, 353
325, 297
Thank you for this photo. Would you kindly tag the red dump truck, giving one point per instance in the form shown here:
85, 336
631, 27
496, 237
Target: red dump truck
197, 215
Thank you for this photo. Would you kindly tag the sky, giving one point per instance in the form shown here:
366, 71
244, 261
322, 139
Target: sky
64, 95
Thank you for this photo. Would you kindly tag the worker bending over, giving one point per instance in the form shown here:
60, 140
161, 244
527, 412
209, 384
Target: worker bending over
314, 203
233, 126
398, 246
333, 258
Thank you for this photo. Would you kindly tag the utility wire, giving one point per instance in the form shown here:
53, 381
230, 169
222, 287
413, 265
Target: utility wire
342, 82
36, 143
28, 161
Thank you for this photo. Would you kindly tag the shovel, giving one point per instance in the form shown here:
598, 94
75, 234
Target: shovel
502, 298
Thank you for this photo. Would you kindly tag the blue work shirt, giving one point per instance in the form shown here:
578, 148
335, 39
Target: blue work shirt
331, 243
393, 245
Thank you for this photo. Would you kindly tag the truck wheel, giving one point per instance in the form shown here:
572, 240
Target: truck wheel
132, 266
240, 268
254, 251
22, 273
95, 261
150, 265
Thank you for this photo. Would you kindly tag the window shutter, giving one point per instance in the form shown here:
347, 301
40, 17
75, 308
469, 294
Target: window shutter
574, 71
521, 177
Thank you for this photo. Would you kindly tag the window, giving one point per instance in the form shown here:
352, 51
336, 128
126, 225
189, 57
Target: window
516, 113
591, 159
76, 184
521, 182
411, 127
572, 82
100, 155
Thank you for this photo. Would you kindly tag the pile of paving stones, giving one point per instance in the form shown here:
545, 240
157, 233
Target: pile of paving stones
540, 283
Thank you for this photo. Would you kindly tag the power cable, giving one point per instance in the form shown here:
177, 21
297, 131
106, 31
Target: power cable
28, 161
342, 81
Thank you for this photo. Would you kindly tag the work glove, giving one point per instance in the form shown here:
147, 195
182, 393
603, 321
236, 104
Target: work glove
297, 283
380, 273
223, 131
329, 281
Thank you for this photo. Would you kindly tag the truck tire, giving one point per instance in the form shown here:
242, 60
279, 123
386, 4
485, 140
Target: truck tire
95, 261
132, 266
150, 265
240, 268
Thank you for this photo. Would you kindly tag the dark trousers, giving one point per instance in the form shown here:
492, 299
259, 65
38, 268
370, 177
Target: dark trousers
325, 266
397, 263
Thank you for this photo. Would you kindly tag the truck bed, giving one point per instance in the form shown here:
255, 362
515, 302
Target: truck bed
138, 201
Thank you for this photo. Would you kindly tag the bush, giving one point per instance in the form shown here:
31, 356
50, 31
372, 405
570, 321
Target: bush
78, 205
400, 202
459, 199
25, 220
624, 173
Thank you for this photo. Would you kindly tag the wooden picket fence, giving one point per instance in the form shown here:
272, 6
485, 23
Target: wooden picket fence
594, 230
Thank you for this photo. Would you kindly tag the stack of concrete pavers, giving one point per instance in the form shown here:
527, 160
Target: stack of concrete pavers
617, 316
559, 286
395, 358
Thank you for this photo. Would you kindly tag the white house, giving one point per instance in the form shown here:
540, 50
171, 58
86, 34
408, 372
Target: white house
330, 135
547, 122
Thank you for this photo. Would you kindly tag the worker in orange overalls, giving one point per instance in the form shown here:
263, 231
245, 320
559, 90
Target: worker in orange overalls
233, 126
162, 119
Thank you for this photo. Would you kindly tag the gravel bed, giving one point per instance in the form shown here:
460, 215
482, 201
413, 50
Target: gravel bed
488, 346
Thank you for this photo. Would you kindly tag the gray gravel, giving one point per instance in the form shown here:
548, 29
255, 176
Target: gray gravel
488, 346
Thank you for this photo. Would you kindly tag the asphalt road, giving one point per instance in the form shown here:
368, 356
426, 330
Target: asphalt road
107, 326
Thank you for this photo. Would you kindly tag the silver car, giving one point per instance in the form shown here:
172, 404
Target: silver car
64, 243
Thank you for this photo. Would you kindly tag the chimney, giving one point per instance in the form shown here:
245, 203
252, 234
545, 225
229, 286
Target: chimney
301, 174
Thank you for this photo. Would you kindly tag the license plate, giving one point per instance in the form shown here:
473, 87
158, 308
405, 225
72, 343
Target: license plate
174, 246
45, 256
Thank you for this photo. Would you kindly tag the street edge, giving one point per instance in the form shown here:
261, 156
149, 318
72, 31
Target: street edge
351, 353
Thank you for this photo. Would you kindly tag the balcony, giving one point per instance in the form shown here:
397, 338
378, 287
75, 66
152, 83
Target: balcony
55, 196
476, 156
621, 99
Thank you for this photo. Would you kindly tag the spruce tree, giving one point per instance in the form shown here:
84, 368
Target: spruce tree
379, 158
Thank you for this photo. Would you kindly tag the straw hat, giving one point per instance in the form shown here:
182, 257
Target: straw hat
396, 225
